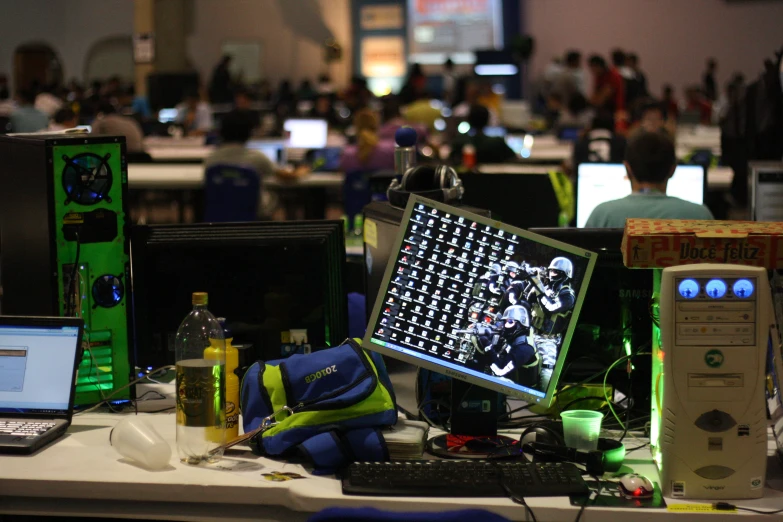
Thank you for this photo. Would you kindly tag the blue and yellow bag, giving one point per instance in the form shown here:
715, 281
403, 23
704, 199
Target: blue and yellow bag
329, 405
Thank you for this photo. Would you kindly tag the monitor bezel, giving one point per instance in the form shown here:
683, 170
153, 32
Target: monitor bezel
705, 180
545, 401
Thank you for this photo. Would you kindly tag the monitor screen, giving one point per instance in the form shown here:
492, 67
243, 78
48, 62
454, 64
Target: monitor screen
167, 115
495, 132
37, 365
480, 301
274, 150
306, 134
601, 182
455, 29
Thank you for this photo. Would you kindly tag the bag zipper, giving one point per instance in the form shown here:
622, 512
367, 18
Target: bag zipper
304, 405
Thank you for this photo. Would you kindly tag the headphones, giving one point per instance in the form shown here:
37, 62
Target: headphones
608, 457
439, 183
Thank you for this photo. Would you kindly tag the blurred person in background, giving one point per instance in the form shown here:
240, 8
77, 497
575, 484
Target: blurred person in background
220, 84
4, 91
235, 130
449, 83
26, 118
696, 101
639, 78
651, 117
489, 149
47, 101
194, 114
670, 103
600, 144
608, 96
393, 120
415, 86
64, 119
111, 123
324, 110
708, 82
6, 103
370, 153
305, 91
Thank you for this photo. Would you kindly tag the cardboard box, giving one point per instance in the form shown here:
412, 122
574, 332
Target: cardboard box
658, 243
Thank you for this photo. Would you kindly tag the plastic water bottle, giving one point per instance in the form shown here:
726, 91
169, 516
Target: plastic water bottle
201, 385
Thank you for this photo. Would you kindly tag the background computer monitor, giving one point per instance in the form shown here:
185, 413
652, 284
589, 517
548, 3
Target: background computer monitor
615, 318
265, 278
597, 183
167, 115
438, 288
519, 195
272, 149
306, 134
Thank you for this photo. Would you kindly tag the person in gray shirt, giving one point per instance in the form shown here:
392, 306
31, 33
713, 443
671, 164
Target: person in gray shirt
26, 118
650, 162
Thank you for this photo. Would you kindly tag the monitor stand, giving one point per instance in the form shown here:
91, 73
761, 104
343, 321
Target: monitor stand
474, 425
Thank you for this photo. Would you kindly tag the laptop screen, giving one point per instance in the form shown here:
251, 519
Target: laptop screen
601, 182
37, 368
306, 134
272, 149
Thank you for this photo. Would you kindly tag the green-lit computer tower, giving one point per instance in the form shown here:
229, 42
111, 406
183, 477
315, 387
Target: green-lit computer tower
64, 248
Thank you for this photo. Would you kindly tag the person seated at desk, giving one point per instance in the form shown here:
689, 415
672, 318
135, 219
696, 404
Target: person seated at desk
489, 149
600, 144
651, 117
26, 118
650, 162
393, 120
370, 153
110, 122
235, 131
324, 110
194, 114
64, 119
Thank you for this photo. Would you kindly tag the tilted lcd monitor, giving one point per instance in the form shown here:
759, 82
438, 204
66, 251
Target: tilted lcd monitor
479, 300
598, 183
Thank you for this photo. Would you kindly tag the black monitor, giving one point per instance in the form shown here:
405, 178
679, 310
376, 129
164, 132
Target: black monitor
615, 318
519, 195
265, 278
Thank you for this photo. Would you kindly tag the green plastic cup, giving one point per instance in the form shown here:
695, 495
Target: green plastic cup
581, 429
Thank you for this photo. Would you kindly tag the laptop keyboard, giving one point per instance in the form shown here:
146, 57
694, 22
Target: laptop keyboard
24, 428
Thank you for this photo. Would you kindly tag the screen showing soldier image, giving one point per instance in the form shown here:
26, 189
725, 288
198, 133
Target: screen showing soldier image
486, 300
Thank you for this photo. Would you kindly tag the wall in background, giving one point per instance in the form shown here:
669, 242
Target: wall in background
288, 51
673, 38
71, 28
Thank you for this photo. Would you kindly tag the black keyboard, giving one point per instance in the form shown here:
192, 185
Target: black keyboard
461, 478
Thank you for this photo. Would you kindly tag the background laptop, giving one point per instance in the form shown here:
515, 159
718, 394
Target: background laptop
597, 183
38, 361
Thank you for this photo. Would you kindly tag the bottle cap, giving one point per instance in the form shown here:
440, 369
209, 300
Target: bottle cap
199, 298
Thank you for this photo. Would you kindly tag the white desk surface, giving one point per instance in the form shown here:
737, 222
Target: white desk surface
184, 176
82, 475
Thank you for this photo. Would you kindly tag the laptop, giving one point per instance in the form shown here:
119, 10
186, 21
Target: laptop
597, 183
38, 361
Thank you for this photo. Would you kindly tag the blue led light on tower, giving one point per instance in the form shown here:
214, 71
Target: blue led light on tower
689, 288
716, 288
743, 288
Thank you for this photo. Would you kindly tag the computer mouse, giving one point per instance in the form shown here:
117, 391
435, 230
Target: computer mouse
636, 486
